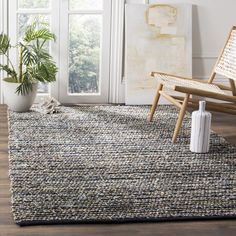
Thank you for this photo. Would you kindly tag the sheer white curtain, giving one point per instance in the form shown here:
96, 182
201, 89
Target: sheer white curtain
117, 52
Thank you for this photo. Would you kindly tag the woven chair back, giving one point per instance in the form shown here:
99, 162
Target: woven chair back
226, 64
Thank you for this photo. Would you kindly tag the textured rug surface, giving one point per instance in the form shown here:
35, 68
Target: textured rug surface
109, 164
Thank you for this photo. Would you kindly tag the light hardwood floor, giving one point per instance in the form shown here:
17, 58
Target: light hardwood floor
223, 124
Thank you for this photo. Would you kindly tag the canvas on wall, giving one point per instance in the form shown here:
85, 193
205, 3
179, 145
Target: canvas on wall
158, 38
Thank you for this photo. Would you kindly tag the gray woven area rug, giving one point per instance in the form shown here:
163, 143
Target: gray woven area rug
109, 164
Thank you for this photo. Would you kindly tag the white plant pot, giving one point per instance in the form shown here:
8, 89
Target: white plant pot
17, 102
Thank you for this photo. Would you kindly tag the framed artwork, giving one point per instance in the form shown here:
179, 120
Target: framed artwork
158, 38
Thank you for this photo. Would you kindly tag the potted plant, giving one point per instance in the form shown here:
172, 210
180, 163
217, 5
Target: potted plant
35, 64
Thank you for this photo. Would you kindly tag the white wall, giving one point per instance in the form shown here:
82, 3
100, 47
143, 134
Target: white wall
212, 19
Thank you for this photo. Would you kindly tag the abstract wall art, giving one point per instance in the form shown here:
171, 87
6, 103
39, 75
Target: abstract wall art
158, 38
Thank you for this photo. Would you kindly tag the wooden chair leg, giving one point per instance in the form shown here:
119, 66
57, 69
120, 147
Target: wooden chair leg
180, 118
155, 102
233, 87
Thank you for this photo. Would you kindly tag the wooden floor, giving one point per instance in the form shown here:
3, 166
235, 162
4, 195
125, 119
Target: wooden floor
222, 124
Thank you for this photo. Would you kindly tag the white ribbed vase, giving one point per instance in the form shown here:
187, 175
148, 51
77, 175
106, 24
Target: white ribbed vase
201, 130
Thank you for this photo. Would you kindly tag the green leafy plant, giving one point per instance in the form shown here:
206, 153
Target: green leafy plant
35, 63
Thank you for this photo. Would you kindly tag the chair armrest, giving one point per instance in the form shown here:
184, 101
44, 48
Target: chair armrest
203, 93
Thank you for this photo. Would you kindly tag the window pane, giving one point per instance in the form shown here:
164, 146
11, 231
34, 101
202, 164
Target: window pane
86, 4
33, 4
84, 53
23, 21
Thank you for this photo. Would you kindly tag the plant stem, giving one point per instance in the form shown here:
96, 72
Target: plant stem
20, 79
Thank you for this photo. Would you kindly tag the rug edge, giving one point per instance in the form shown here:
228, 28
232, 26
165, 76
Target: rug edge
125, 221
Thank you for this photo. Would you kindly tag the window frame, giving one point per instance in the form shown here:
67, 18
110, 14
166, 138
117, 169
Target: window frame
103, 96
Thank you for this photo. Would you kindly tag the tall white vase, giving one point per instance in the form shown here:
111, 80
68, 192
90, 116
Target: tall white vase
201, 129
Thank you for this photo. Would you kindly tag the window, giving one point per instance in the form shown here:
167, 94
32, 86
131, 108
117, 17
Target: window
33, 4
82, 48
85, 30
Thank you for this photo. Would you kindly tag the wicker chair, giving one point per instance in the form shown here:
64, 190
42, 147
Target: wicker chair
225, 66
